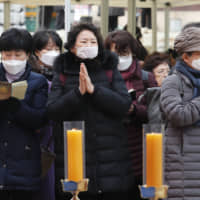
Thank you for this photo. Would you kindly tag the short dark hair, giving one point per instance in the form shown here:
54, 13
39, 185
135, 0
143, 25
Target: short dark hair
16, 39
41, 39
76, 29
124, 41
155, 59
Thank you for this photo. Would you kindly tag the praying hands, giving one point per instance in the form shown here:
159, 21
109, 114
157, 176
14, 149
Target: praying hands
85, 84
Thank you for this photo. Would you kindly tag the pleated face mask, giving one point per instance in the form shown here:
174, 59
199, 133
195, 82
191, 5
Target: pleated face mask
87, 52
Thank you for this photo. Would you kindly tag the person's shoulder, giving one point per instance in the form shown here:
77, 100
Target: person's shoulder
110, 60
148, 78
62, 61
172, 80
62, 56
37, 77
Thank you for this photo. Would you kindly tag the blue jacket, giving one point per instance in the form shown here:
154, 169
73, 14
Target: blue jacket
19, 144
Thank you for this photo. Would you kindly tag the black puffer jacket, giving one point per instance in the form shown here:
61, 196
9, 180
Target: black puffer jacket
107, 157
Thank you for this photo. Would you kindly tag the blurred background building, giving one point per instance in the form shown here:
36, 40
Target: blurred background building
52, 17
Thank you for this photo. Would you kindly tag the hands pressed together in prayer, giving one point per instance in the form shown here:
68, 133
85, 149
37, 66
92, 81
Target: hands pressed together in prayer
85, 84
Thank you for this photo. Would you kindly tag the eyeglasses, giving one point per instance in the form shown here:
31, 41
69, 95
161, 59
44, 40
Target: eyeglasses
162, 72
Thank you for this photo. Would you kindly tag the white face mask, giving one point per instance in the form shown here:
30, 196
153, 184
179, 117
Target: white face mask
49, 57
196, 64
14, 66
87, 52
124, 62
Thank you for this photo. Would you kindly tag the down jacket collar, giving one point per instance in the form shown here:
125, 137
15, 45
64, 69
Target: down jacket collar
69, 63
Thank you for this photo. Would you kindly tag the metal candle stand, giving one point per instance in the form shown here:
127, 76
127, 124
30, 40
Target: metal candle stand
75, 187
153, 193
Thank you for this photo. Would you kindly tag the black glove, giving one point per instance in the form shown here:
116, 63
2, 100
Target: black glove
9, 105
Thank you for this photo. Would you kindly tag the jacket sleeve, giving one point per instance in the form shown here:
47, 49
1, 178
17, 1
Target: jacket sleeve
62, 104
140, 111
179, 113
33, 114
115, 101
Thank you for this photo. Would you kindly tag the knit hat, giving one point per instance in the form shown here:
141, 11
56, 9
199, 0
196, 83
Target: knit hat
188, 40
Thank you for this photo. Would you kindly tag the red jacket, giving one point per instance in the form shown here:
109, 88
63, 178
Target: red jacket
133, 79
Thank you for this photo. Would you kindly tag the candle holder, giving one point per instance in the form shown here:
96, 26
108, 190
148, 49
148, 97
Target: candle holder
75, 187
153, 193
75, 180
153, 163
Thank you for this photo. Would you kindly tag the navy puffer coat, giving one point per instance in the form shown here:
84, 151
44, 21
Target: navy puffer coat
108, 163
19, 145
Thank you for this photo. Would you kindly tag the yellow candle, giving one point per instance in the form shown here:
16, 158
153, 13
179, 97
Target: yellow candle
154, 165
75, 155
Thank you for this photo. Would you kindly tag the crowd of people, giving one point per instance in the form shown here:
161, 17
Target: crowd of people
115, 87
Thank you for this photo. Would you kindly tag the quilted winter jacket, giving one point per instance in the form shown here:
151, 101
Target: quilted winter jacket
182, 141
107, 157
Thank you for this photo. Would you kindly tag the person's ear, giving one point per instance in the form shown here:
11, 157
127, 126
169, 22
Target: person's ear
73, 50
28, 55
185, 57
37, 53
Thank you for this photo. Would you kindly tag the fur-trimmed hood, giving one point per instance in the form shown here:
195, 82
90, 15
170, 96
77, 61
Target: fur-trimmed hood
68, 62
